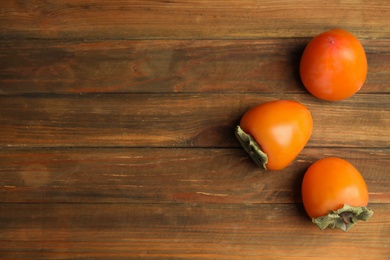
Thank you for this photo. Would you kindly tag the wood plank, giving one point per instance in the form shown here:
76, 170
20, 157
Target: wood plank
267, 65
178, 120
198, 231
223, 176
117, 120
118, 19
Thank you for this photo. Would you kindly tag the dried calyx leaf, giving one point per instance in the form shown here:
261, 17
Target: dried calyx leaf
344, 218
252, 148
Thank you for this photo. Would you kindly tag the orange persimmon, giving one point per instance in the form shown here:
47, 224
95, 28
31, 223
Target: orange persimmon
275, 132
335, 194
333, 65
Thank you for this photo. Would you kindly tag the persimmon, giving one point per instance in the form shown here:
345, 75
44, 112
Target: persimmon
335, 194
333, 65
275, 132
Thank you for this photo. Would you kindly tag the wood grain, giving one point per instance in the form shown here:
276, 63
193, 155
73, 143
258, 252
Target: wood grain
117, 119
118, 19
194, 231
172, 120
217, 176
267, 65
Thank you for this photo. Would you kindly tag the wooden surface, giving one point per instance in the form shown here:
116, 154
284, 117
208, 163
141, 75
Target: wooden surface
117, 120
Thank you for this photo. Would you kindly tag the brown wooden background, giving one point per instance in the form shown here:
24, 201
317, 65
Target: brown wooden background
117, 120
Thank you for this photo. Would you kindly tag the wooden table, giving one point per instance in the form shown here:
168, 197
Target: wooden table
117, 121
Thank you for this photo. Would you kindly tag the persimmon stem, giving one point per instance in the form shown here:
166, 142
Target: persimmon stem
252, 148
344, 218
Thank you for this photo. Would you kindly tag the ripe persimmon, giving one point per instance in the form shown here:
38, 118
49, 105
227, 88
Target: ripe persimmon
333, 65
335, 194
275, 132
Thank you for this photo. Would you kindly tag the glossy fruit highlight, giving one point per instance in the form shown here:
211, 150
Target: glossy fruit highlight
274, 133
333, 65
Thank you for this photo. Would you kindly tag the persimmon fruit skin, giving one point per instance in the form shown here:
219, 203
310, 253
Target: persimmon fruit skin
281, 128
333, 65
330, 183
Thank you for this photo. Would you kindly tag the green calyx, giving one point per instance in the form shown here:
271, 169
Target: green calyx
252, 147
344, 218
